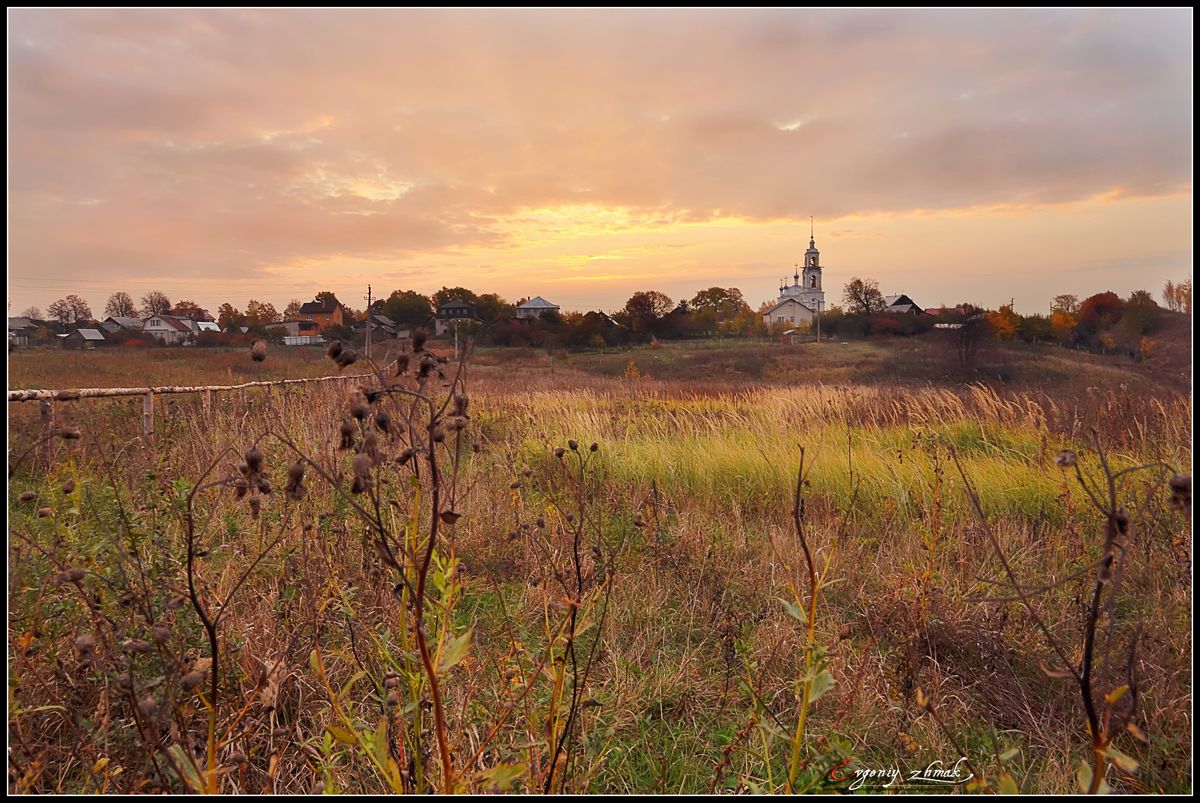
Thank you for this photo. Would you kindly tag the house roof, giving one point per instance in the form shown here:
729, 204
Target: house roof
90, 334
454, 308
319, 306
170, 321
207, 326
20, 323
537, 302
125, 322
787, 301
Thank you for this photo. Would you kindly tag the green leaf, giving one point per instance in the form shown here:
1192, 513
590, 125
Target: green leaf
1126, 764
1116, 694
821, 684
186, 768
1010, 754
455, 651
795, 611
341, 734
1007, 785
501, 777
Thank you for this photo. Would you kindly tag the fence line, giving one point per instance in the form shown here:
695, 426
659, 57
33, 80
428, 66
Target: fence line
48, 397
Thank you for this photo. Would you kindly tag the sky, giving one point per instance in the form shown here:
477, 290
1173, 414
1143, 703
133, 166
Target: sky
583, 155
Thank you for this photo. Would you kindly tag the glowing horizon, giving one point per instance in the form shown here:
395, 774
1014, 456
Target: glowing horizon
584, 155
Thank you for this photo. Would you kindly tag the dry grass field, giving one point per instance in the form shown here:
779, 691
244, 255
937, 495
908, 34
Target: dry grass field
682, 569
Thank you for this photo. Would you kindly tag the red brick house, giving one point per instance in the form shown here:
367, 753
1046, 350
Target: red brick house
323, 313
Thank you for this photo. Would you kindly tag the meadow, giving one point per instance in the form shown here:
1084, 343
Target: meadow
700, 568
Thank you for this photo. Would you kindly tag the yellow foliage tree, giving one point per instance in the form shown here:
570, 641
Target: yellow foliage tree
1005, 322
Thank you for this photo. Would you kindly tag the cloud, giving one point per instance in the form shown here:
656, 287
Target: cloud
237, 141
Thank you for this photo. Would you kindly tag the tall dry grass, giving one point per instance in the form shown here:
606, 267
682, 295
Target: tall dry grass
627, 631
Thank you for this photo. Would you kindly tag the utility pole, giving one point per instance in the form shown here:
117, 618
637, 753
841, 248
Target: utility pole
368, 348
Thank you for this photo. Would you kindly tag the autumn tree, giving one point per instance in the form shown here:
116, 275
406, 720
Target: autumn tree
60, 311
408, 307
1178, 297
1065, 303
723, 302
32, 313
292, 311
644, 310
1063, 324
1005, 323
1100, 311
1140, 313
155, 303
454, 294
120, 305
228, 316
260, 314
862, 296
491, 307
189, 310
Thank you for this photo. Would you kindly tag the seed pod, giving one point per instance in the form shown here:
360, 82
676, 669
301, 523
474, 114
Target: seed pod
124, 682
574, 446
419, 338
383, 421
258, 351
161, 633
438, 435
370, 445
333, 349
450, 516
347, 357
68, 487
192, 679
406, 455
1181, 491
136, 646
148, 706
45, 512
347, 433
541, 522
85, 643
393, 698
358, 406
461, 402
295, 483
362, 473
559, 452
402, 365
254, 459
70, 434
27, 496
514, 485
594, 447
237, 757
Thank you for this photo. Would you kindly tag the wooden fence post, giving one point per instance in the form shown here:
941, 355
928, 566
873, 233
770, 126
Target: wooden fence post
208, 407
148, 417
46, 408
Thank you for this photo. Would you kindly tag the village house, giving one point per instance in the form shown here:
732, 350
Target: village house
323, 313
901, 305
167, 329
535, 307
113, 324
20, 330
382, 327
451, 313
83, 339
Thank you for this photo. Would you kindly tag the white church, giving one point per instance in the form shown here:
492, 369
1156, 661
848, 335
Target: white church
801, 301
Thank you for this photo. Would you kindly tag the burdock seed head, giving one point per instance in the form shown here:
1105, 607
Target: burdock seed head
258, 352
255, 506
426, 365
595, 447
384, 422
45, 512
358, 405
85, 643
70, 434
406, 455
333, 349
370, 445
461, 402
345, 358
28, 496
148, 706
192, 679
574, 446
254, 459
402, 365
1181, 491
419, 338
362, 473
68, 487
347, 433
559, 452
161, 633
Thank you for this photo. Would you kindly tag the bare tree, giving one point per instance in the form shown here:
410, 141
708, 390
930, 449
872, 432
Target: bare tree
155, 303
32, 313
120, 305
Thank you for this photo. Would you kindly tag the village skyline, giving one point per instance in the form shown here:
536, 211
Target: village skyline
216, 156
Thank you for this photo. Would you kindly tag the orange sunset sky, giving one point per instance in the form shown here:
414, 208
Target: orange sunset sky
583, 155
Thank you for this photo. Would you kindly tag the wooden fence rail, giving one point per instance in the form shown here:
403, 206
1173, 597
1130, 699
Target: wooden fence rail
48, 397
